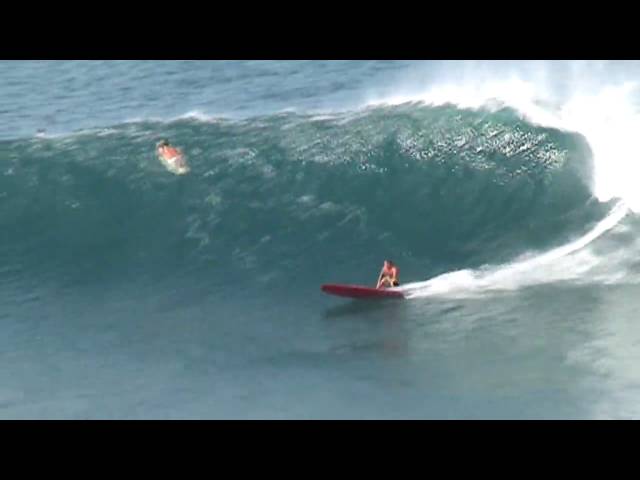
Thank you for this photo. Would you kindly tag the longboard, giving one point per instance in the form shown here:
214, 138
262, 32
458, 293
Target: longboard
358, 291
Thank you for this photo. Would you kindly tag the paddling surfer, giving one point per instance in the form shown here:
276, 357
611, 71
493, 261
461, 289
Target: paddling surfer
170, 154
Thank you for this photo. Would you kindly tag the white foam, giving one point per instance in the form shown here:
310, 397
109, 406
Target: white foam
568, 262
197, 115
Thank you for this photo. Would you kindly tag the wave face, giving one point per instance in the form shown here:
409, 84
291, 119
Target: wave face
505, 191
294, 197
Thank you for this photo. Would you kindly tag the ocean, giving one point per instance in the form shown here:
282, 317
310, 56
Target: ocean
506, 192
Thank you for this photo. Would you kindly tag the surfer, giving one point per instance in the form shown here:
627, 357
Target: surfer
388, 275
170, 153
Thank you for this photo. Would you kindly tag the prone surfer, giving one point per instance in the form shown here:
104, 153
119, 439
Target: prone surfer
388, 275
170, 153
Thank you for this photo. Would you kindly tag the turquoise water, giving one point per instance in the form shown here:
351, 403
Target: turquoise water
129, 292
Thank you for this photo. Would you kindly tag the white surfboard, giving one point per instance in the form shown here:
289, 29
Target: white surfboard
172, 164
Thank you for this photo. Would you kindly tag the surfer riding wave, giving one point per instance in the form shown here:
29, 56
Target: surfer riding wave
388, 275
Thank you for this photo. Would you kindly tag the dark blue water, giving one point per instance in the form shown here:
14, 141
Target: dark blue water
131, 292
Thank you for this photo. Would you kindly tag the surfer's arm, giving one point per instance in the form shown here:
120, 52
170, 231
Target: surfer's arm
380, 278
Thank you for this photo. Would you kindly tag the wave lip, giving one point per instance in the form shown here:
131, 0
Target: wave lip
605, 113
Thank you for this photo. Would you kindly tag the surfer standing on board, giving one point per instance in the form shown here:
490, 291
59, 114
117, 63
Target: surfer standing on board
170, 154
388, 275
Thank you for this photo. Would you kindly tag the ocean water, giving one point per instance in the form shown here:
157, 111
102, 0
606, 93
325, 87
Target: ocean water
506, 192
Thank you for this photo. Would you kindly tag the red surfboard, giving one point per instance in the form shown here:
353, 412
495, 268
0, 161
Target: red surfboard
358, 291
